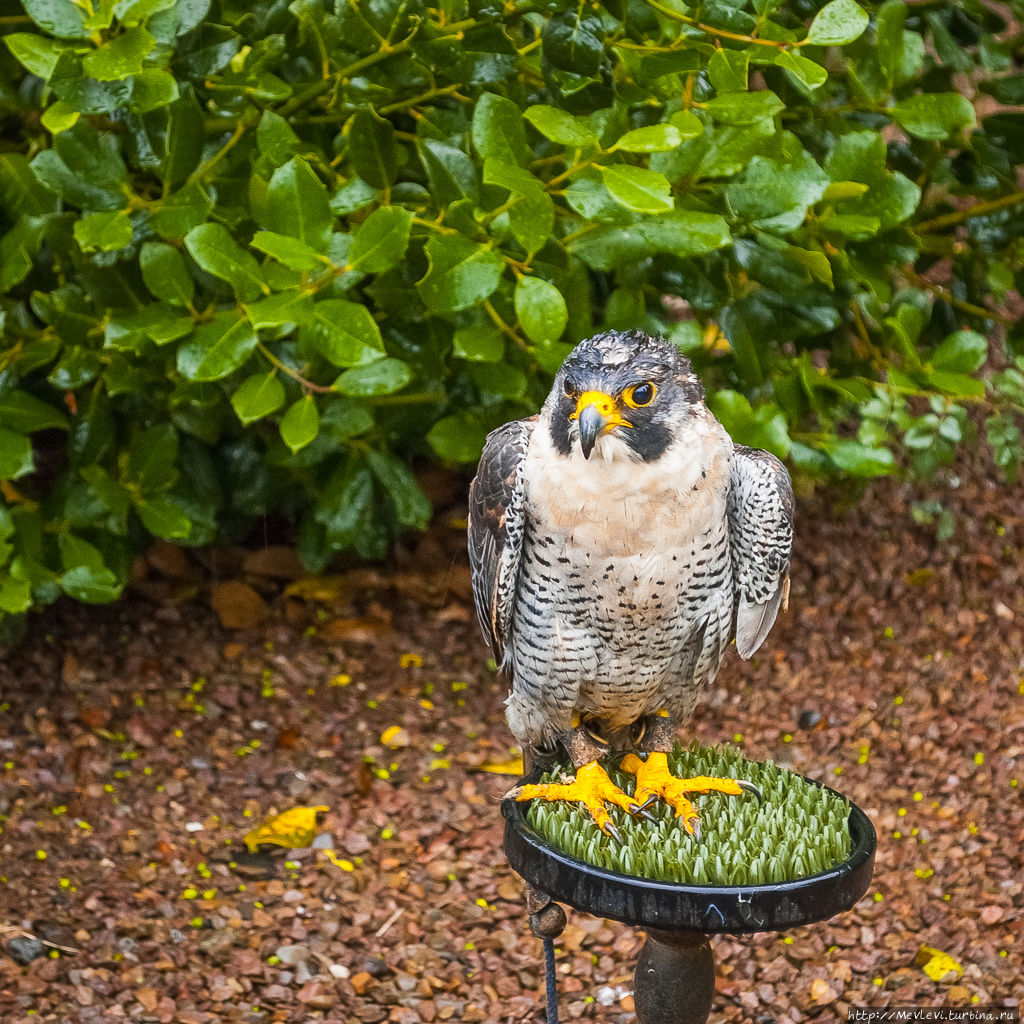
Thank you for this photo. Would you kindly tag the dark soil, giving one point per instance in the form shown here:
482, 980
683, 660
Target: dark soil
140, 742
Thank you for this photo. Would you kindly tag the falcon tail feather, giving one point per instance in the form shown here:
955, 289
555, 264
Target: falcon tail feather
754, 621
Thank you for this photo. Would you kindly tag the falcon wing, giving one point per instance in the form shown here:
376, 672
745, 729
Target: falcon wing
497, 520
760, 510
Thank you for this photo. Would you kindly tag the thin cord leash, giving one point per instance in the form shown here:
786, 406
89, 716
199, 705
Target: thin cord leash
550, 979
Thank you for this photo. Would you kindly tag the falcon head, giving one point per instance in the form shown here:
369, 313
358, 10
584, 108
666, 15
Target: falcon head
633, 393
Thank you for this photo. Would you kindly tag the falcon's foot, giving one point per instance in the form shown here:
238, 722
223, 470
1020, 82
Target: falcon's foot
653, 780
591, 787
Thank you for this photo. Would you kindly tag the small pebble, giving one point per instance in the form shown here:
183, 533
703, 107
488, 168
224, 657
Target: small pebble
24, 950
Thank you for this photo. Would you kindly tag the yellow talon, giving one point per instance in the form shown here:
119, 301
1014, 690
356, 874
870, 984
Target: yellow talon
591, 787
653, 780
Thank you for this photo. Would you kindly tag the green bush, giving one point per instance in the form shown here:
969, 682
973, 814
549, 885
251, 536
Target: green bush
256, 257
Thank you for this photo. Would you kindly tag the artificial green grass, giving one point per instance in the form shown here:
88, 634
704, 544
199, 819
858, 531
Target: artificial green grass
800, 830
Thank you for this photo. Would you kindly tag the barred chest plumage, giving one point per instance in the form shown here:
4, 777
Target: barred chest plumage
621, 561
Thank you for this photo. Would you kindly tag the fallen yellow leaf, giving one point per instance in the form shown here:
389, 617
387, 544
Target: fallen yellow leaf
294, 829
513, 766
326, 589
936, 964
395, 736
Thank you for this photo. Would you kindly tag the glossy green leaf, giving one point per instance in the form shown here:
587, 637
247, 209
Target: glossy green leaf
120, 57
164, 519
78, 366
743, 108
85, 169
808, 72
297, 205
461, 274
933, 116
15, 455
152, 459
457, 439
217, 348
861, 157
353, 196
151, 89
858, 459
166, 273
371, 145
344, 332
479, 342
216, 251
382, 240
381, 377
300, 424
683, 233
541, 310
103, 232
962, 352
411, 506
25, 414
728, 70
764, 427
60, 18
637, 188
292, 307
959, 384
35, 53
293, 253
259, 396
776, 196
21, 192
181, 212
561, 127
656, 138
838, 23
499, 132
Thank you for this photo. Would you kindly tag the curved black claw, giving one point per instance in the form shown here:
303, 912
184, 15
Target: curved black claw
640, 811
647, 803
610, 830
751, 788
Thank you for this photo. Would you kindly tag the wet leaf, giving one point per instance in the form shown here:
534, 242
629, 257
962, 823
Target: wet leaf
294, 829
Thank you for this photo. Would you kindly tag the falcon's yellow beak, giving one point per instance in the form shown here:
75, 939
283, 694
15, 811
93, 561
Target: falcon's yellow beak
597, 413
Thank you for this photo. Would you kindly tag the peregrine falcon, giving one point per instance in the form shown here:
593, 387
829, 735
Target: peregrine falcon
618, 541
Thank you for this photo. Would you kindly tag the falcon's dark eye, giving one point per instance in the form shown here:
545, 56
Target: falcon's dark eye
640, 395
568, 388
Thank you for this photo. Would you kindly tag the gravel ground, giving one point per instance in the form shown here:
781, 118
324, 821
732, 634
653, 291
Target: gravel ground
140, 742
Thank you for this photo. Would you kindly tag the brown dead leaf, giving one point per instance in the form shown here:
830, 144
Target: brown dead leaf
277, 562
363, 631
509, 891
323, 589
822, 992
287, 738
171, 561
94, 718
232, 651
460, 582
572, 937
237, 605
70, 671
